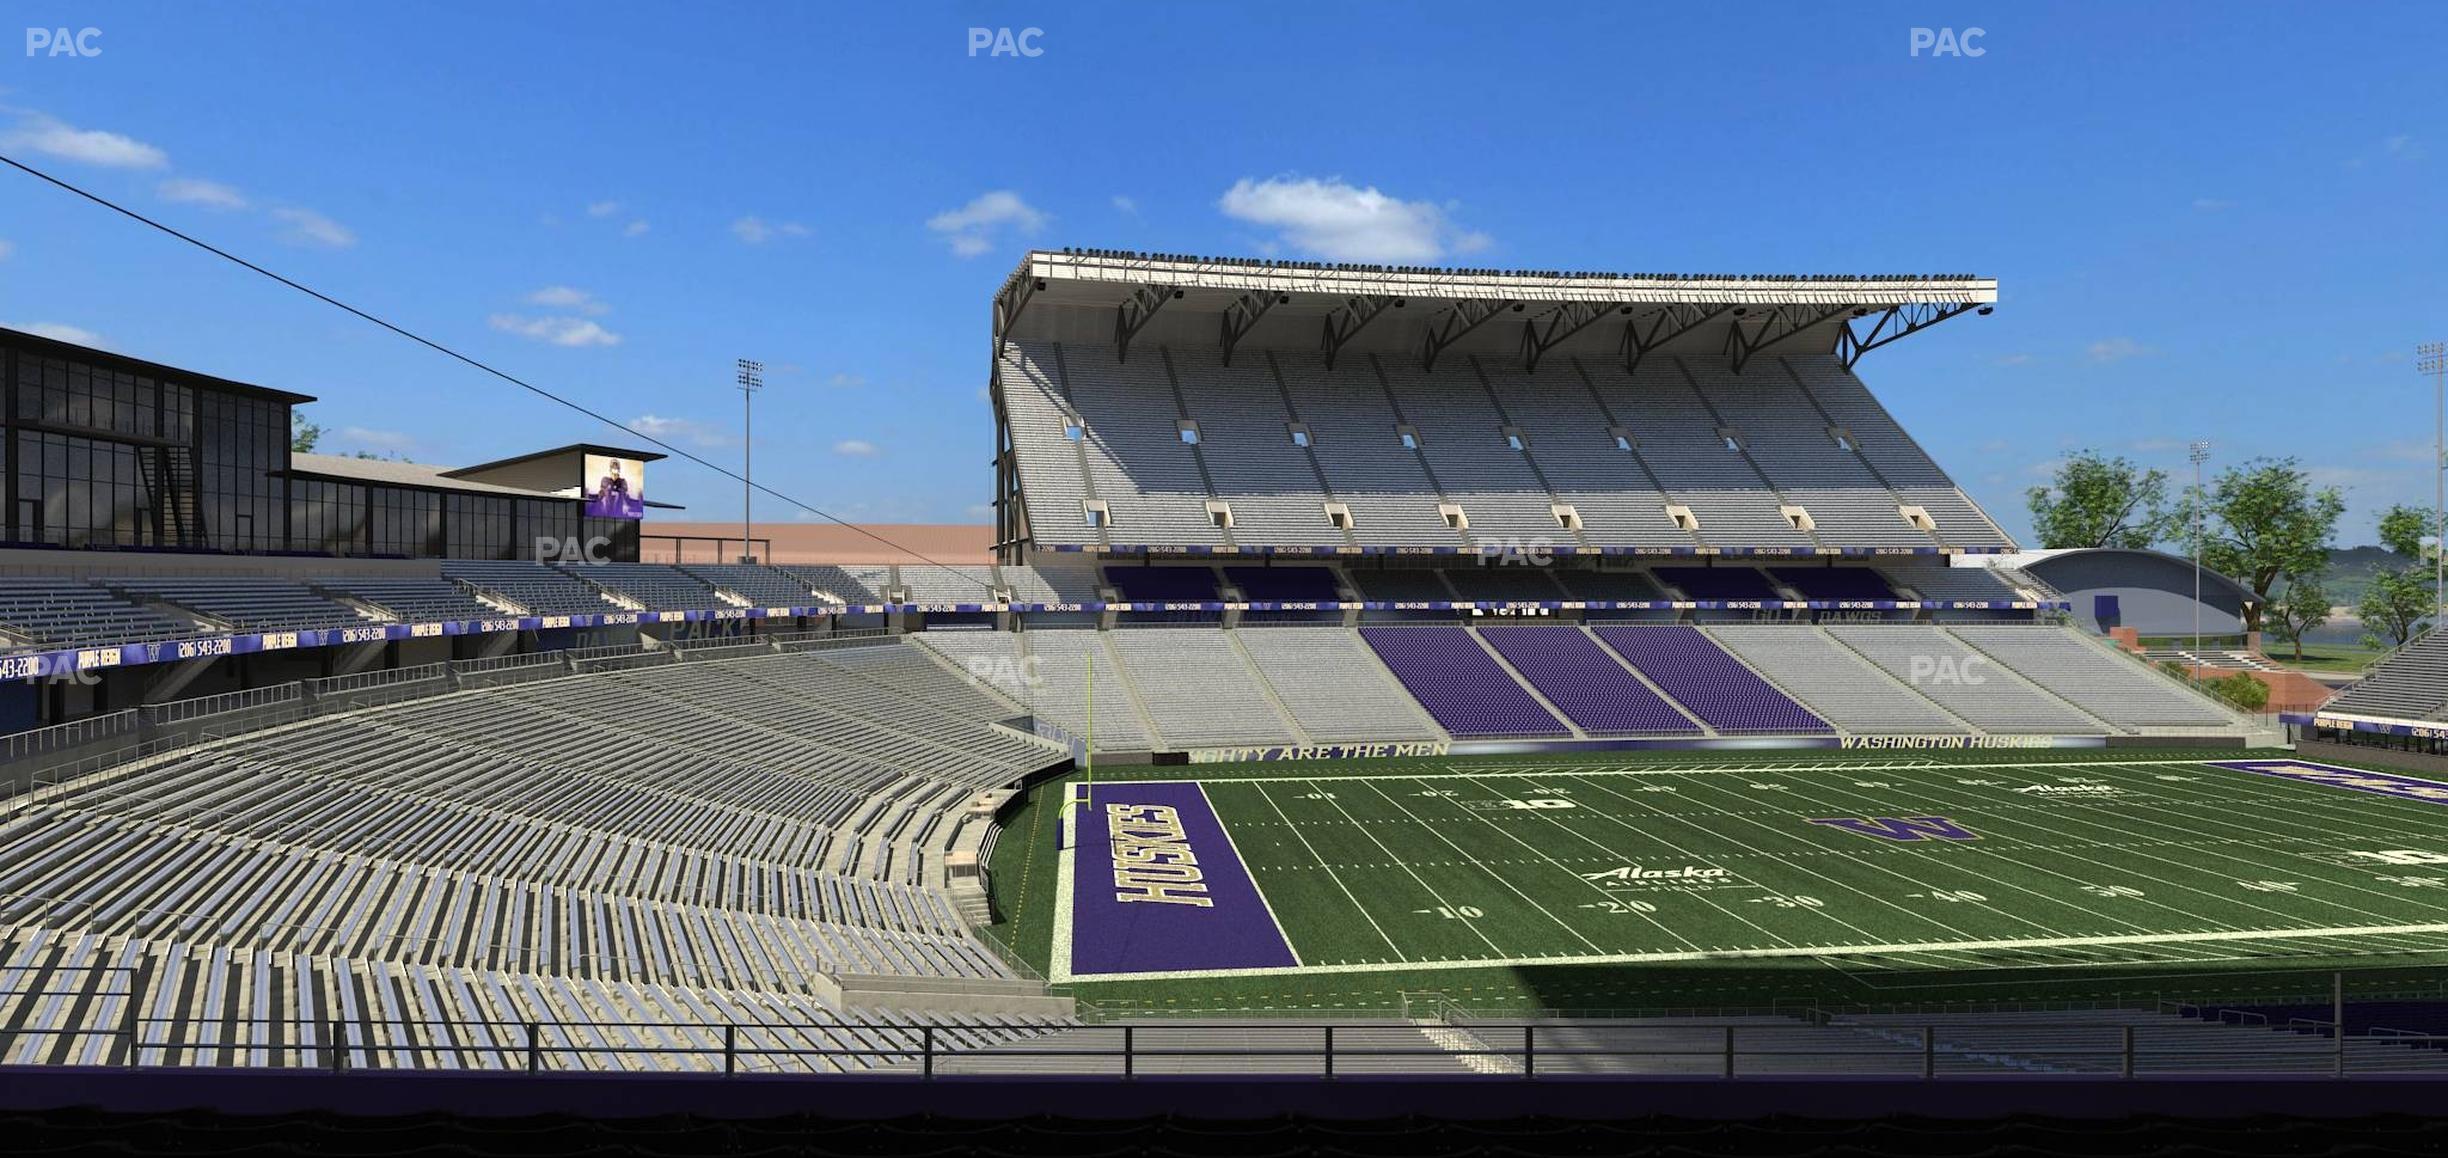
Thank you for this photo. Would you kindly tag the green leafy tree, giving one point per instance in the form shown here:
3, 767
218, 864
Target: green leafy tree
2261, 521
2097, 501
2403, 529
2304, 606
2241, 690
2395, 608
303, 435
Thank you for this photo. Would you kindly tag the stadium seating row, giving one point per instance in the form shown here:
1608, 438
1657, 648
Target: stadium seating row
1169, 687
1279, 449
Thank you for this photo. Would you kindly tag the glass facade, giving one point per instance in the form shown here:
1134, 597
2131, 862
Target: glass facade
95, 454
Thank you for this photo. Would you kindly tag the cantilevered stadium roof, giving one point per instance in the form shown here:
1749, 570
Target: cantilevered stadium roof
1119, 297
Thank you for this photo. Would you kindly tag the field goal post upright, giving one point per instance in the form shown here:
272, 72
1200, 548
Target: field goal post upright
1076, 799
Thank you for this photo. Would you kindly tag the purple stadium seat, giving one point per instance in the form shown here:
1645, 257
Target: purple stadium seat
1288, 584
1460, 683
1164, 584
1579, 677
1702, 677
1841, 583
1719, 582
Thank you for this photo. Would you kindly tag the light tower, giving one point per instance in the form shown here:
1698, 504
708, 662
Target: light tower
751, 380
2432, 358
2199, 452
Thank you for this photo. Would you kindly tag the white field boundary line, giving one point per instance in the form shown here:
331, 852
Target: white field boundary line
1765, 954
1250, 872
1331, 875
1672, 770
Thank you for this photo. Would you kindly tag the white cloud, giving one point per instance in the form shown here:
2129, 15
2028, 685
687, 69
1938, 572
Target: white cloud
845, 380
758, 231
2012, 360
57, 332
855, 448
7, 249
390, 440
53, 137
971, 229
560, 331
681, 429
603, 208
197, 191
307, 227
1339, 221
1125, 205
634, 229
561, 297
2402, 146
2115, 350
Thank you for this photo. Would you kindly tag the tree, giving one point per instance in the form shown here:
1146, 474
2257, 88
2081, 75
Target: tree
2395, 608
2260, 521
2097, 501
303, 435
2241, 690
2403, 529
2304, 607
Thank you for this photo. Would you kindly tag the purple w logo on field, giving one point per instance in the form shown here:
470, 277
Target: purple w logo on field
1901, 827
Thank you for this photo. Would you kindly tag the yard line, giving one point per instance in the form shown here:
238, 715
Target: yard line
1398, 862
2047, 871
1649, 917
1330, 875
1687, 854
1868, 860
2214, 849
1251, 871
2117, 939
1499, 877
2170, 883
2355, 809
1788, 862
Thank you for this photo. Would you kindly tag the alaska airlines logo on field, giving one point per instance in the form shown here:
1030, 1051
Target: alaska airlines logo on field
1635, 874
1152, 859
1905, 828
2069, 790
2402, 787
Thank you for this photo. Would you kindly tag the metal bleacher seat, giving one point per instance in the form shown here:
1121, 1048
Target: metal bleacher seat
57, 611
260, 603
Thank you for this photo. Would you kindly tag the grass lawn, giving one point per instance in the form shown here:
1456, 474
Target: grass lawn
1681, 880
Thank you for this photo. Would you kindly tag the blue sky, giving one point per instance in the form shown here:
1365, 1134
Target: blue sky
2215, 221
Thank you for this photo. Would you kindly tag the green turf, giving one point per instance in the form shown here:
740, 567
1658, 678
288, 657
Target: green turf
2095, 874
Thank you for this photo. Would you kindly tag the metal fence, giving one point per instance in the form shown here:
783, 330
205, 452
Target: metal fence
1929, 1051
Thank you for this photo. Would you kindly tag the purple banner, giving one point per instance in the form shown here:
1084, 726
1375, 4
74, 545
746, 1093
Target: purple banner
1158, 887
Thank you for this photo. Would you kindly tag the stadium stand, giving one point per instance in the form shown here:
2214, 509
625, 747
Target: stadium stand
1497, 583
63, 612
1047, 673
1586, 683
532, 587
1937, 581
1333, 686
948, 582
1933, 663
1833, 583
426, 600
860, 585
1836, 684
1289, 584
652, 586
1624, 586
1271, 484
1728, 582
1164, 584
1394, 586
1708, 682
2411, 684
1197, 688
255, 602
760, 585
1460, 683
2113, 687
1053, 582
1900, 461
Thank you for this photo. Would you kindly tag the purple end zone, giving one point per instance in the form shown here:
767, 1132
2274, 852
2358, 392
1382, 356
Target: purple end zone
2355, 779
1109, 934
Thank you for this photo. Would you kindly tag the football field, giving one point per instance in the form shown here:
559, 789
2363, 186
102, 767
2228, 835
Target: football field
1866, 867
